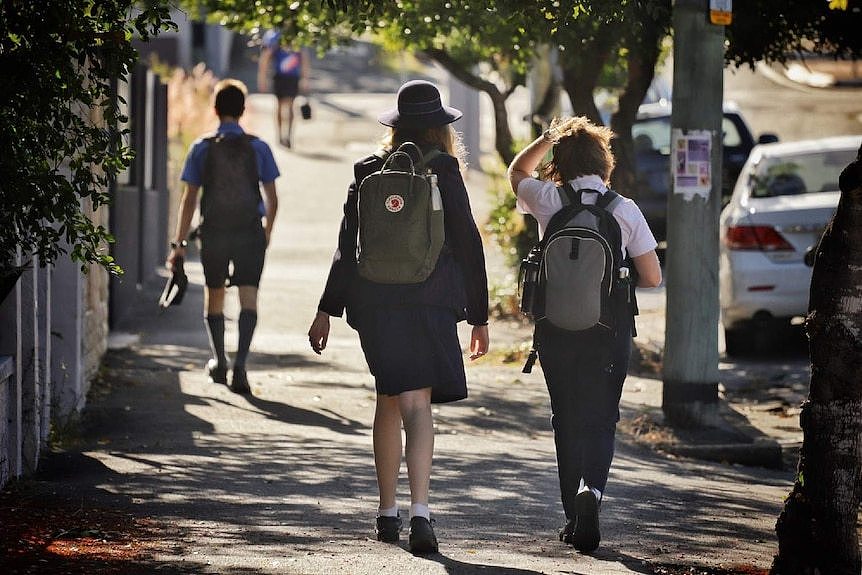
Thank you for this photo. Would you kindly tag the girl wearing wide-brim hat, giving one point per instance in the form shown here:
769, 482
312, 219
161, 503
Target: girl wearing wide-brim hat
408, 332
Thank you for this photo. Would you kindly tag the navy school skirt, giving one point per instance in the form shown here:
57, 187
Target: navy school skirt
413, 347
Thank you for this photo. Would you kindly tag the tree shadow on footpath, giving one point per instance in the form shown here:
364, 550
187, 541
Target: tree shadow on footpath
217, 461
647, 512
248, 475
60, 521
306, 417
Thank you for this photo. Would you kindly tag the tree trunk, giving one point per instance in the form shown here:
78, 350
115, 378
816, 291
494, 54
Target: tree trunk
503, 142
817, 531
581, 70
643, 55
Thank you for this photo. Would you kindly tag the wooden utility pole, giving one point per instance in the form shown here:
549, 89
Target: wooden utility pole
690, 390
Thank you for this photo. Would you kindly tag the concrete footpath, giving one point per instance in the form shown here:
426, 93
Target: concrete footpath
282, 481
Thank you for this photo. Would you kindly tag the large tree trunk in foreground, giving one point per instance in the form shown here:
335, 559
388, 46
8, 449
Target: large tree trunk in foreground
817, 531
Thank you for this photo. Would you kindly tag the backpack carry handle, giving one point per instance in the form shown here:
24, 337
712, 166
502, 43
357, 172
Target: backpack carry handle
398, 154
409, 150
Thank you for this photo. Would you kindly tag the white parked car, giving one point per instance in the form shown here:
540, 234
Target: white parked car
785, 195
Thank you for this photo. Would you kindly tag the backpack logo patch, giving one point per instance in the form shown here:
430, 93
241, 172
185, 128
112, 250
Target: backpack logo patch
394, 203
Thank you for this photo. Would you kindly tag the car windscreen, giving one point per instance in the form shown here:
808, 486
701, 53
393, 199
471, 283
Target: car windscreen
801, 173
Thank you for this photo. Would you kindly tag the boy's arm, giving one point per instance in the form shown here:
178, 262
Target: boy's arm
648, 269
263, 67
270, 199
188, 204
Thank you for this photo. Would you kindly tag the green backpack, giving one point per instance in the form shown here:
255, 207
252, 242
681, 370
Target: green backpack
400, 219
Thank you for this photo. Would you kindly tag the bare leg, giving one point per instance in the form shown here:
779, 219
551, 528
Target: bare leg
247, 297
288, 103
214, 300
279, 116
415, 407
387, 448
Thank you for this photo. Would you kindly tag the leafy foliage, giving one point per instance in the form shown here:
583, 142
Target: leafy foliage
766, 30
491, 45
62, 142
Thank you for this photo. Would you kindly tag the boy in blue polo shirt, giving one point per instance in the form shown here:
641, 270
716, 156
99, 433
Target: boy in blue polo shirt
227, 171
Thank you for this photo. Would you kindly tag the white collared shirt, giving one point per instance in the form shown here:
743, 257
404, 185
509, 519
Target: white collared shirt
541, 199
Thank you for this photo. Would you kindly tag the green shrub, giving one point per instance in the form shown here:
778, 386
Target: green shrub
62, 144
514, 233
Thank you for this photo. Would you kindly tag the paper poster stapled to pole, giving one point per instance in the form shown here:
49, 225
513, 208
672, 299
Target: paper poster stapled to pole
692, 163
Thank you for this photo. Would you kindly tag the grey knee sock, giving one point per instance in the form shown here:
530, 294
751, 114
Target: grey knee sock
247, 323
215, 331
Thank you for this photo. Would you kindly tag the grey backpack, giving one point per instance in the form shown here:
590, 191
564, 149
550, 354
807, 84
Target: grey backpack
401, 228
575, 279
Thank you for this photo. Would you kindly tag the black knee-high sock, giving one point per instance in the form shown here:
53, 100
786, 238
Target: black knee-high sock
215, 331
246, 324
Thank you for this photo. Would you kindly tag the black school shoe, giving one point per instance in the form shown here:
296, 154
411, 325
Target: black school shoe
422, 539
388, 529
586, 536
239, 381
566, 533
217, 373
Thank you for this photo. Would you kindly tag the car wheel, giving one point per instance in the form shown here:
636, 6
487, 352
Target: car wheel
738, 342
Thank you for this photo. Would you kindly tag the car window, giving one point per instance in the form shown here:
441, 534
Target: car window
799, 173
731, 133
655, 131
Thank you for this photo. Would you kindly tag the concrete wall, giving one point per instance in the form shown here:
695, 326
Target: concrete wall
193, 41
67, 359
10, 385
54, 324
139, 213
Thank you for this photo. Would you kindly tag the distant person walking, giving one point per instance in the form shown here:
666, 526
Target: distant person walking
229, 167
408, 331
584, 370
287, 68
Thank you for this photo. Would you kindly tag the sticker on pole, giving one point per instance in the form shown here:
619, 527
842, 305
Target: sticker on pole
692, 163
721, 12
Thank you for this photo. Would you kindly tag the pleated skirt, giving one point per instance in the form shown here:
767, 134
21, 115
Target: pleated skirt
413, 347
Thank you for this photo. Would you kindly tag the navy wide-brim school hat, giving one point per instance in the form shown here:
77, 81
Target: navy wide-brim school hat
419, 106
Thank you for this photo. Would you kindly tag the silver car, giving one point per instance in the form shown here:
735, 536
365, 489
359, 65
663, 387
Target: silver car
785, 195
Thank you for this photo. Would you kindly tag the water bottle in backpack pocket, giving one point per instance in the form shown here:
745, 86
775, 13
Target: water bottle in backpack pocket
528, 281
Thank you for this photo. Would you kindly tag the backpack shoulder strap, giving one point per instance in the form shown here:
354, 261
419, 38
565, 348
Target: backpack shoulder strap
569, 195
218, 137
428, 156
609, 201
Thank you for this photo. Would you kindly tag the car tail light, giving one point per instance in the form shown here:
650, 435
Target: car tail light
760, 238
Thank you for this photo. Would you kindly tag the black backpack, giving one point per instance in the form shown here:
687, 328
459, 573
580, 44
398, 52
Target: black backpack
231, 192
575, 279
